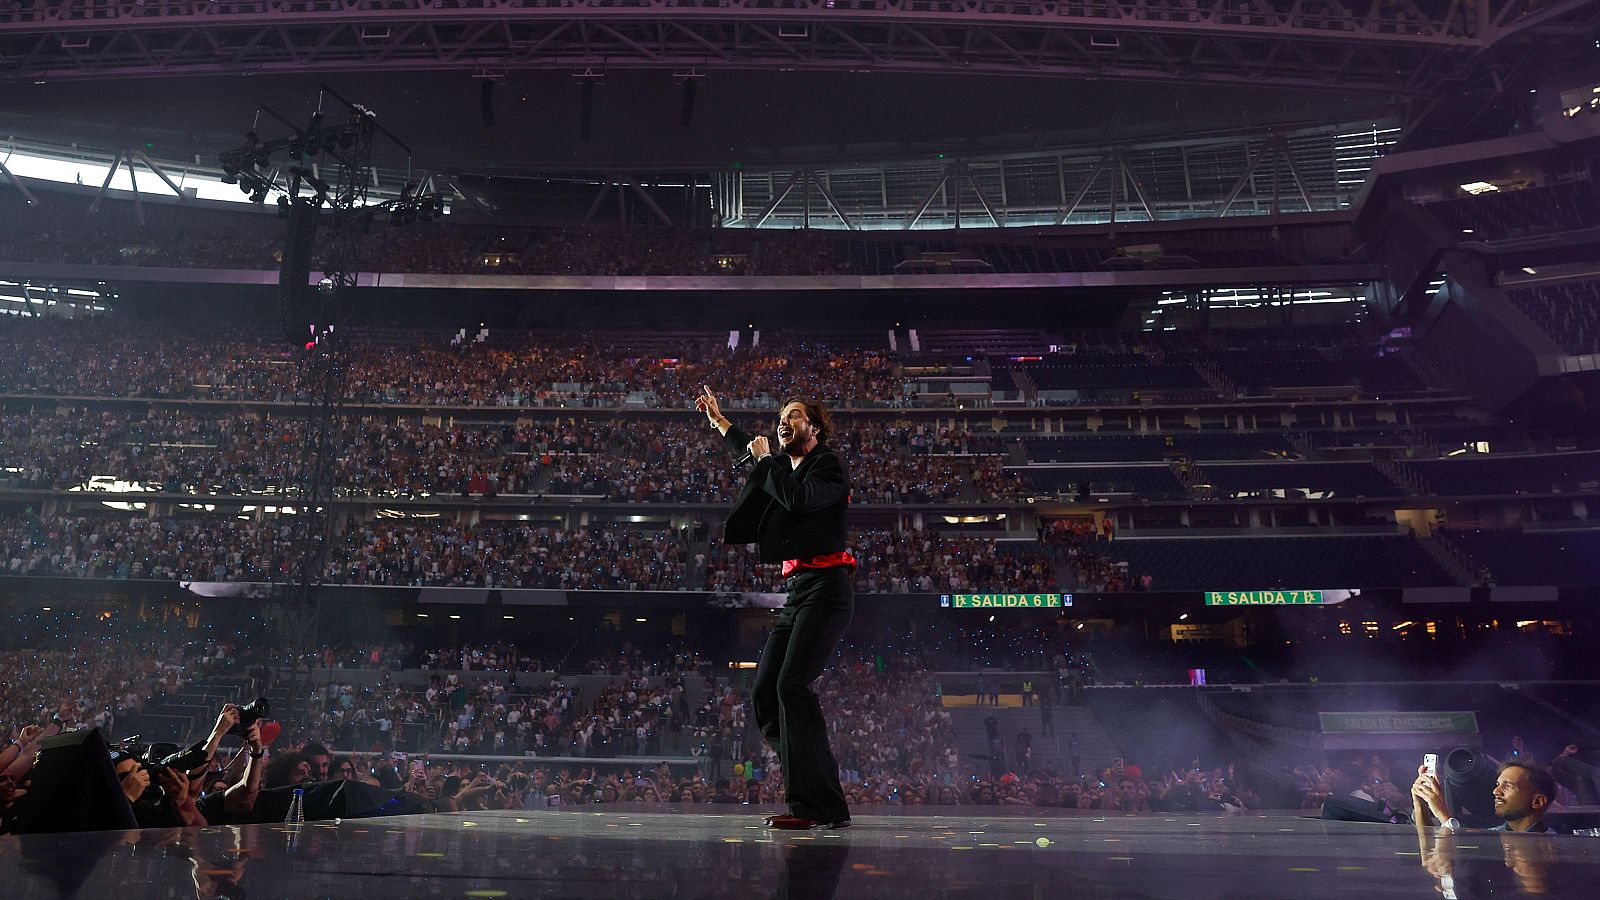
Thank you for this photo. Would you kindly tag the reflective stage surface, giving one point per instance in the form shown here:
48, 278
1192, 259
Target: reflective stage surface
624, 852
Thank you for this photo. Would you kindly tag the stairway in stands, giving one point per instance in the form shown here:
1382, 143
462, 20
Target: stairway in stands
1405, 479
1455, 560
1213, 376
187, 715
1096, 748
1025, 383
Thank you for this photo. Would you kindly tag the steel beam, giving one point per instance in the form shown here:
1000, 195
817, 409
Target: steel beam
771, 207
927, 201
94, 205
1138, 189
827, 197
1426, 21
1083, 190
1244, 180
63, 39
650, 203
27, 196
159, 172
998, 219
594, 207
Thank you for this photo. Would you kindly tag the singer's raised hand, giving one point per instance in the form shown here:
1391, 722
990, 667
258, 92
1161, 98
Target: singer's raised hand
707, 403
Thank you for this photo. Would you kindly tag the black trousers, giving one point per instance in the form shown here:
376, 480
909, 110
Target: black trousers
786, 709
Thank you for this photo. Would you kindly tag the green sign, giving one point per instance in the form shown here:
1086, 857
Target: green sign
1399, 722
1262, 598
982, 601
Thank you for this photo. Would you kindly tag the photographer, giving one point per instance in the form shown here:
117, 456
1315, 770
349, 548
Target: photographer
235, 803
169, 804
1522, 795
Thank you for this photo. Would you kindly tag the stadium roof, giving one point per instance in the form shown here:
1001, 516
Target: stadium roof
757, 80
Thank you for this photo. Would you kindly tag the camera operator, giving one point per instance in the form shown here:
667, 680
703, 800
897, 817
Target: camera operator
1522, 795
227, 720
170, 804
234, 804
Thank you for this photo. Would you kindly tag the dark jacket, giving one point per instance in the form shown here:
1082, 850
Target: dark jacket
789, 512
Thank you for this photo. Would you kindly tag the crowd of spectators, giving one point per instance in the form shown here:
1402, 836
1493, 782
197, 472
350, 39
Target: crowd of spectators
95, 684
888, 724
509, 555
89, 358
175, 451
448, 715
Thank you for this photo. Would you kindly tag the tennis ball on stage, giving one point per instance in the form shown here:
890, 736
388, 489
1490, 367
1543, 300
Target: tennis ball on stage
738, 768
1043, 842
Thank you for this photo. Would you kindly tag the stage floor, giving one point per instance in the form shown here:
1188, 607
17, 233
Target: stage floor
622, 852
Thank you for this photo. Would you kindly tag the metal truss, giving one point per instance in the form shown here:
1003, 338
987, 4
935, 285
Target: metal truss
1379, 45
1306, 170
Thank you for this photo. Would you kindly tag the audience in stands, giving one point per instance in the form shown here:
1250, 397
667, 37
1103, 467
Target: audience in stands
387, 552
85, 358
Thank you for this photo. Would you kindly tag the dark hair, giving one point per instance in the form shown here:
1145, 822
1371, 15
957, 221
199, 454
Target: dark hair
280, 769
314, 749
1541, 779
817, 414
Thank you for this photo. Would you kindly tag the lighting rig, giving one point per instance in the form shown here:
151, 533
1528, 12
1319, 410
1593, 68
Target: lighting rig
322, 175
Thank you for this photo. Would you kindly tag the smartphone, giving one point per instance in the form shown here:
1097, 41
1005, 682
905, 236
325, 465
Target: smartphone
417, 768
1430, 764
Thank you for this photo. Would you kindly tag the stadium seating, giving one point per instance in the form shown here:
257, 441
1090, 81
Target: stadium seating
1299, 479
1569, 312
1533, 557
1544, 209
1472, 474
1251, 563
1146, 481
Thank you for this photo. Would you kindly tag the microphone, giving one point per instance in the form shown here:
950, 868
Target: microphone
747, 457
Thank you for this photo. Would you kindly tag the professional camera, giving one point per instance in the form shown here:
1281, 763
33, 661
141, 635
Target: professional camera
249, 714
160, 757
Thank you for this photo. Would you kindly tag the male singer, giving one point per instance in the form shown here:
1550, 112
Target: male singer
793, 508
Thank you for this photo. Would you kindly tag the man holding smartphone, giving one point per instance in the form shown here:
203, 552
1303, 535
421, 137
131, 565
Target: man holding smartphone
1522, 795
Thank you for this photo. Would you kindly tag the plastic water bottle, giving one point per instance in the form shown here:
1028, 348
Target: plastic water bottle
297, 808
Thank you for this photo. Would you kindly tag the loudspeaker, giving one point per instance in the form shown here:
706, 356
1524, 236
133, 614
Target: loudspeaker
586, 109
295, 311
1355, 809
339, 800
686, 111
1275, 791
74, 788
486, 102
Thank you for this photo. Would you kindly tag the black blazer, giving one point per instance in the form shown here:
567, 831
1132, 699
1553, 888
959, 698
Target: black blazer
790, 512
